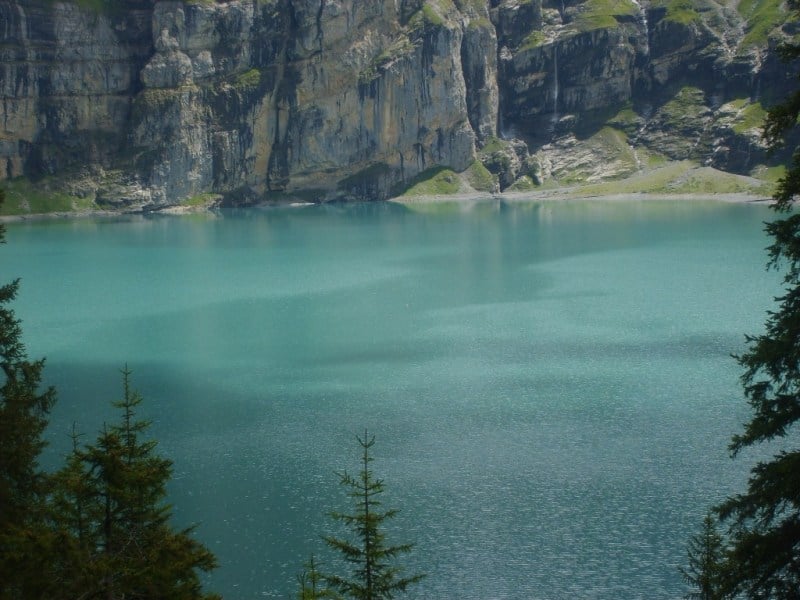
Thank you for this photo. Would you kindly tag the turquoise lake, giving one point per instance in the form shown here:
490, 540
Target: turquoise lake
550, 384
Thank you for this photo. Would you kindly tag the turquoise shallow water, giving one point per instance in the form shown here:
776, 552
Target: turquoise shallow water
550, 384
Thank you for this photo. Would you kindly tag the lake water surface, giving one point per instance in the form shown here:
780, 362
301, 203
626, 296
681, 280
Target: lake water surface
550, 385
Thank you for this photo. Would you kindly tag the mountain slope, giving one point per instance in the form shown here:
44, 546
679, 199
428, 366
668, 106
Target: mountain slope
151, 104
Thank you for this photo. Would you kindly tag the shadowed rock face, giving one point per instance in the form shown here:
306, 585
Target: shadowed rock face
149, 103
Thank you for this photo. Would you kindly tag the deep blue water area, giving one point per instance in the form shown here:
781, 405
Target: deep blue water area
550, 384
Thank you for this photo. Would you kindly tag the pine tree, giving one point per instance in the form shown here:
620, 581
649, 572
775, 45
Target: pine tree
373, 575
110, 506
706, 553
75, 568
24, 411
311, 583
765, 520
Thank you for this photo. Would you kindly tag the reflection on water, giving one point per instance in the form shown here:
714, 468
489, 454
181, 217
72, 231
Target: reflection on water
550, 383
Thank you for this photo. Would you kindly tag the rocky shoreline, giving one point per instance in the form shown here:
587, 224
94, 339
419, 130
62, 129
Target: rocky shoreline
556, 195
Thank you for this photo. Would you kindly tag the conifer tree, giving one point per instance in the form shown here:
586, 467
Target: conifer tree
373, 575
110, 505
311, 583
71, 503
764, 521
24, 411
706, 553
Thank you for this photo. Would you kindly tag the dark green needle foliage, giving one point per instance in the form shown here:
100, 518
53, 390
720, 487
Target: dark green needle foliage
765, 520
71, 506
312, 582
24, 411
373, 574
109, 507
98, 528
706, 553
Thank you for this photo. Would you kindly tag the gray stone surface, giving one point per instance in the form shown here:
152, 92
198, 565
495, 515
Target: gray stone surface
156, 102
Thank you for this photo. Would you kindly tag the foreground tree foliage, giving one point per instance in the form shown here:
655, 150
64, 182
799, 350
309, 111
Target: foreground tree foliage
25, 542
764, 560
110, 512
99, 528
311, 583
706, 553
373, 575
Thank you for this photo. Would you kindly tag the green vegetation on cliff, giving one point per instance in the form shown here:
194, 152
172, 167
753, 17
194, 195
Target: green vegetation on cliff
681, 11
26, 198
247, 81
533, 40
523, 184
479, 177
604, 14
397, 50
687, 104
679, 177
201, 200
751, 116
437, 181
763, 17
107, 7
431, 14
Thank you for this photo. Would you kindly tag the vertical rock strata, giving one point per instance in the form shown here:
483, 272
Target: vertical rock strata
147, 104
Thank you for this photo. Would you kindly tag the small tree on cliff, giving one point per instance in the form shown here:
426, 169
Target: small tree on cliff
24, 411
764, 561
373, 575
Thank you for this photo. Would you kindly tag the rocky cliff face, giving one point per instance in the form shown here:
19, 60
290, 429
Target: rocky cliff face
148, 104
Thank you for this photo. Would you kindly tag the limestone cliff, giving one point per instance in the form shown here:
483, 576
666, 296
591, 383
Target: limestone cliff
151, 103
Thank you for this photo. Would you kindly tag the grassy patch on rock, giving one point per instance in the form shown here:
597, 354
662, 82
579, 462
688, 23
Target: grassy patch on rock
605, 155
687, 103
763, 17
679, 127
679, 11
493, 144
533, 40
248, 81
751, 116
603, 14
431, 14
769, 175
438, 181
615, 143
680, 177
626, 120
99, 7
399, 49
200, 200
523, 184
26, 198
479, 177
